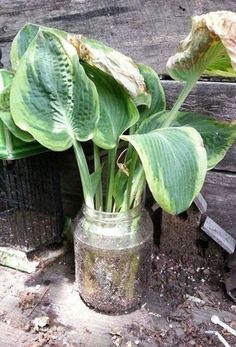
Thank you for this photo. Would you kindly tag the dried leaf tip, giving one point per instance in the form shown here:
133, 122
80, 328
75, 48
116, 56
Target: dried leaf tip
119, 66
210, 48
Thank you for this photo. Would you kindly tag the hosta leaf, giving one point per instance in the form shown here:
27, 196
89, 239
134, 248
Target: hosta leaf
114, 63
117, 111
217, 136
5, 114
154, 88
23, 39
175, 164
154, 122
120, 186
208, 49
51, 96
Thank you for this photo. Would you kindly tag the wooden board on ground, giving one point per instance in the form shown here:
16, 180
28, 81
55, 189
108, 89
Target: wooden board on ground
169, 313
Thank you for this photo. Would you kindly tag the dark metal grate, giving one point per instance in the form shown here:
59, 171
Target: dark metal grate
31, 214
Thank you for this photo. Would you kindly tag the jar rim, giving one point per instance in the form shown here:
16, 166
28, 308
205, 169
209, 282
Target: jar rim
109, 216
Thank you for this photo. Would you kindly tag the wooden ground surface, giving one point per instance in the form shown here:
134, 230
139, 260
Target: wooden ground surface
73, 324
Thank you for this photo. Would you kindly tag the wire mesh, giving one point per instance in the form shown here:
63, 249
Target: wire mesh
31, 214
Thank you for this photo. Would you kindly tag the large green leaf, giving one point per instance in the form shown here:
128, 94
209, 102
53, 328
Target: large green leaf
24, 38
119, 66
175, 164
93, 52
154, 122
217, 136
5, 114
208, 49
51, 96
117, 110
154, 88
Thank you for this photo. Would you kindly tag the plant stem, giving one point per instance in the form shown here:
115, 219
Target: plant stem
8, 140
111, 177
174, 111
134, 159
84, 173
140, 189
97, 164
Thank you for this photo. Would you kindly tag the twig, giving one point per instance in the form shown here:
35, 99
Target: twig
40, 300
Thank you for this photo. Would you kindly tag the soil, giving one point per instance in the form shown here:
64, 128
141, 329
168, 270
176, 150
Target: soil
112, 280
177, 310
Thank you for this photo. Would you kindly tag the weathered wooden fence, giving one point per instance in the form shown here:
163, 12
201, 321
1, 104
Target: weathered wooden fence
149, 31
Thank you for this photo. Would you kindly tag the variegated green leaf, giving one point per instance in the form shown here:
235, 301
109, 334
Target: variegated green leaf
154, 122
208, 49
119, 66
51, 96
24, 38
156, 91
217, 135
175, 164
117, 111
5, 114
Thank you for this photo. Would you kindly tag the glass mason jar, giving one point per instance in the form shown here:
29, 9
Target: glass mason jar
113, 258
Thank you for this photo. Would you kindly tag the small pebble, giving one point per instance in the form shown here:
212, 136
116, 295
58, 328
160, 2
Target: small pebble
227, 320
233, 308
206, 272
27, 327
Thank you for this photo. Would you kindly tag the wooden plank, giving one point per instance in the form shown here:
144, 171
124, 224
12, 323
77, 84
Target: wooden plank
10, 336
219, 191
219, 235
215, 99
85, 327
148, 30
201, 203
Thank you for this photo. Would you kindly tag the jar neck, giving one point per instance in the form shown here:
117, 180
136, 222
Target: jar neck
112, 217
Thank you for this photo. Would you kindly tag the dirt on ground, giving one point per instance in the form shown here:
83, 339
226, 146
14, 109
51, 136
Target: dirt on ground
176, 312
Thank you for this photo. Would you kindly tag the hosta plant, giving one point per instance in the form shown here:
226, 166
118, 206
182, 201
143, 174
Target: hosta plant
65, 90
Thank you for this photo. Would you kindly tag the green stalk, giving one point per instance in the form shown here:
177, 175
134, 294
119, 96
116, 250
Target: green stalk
174, 111
8, 140
111, 177
84, 174
134, 160
97, 164
139, 189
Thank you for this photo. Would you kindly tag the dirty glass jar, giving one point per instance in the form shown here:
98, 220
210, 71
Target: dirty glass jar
113, 258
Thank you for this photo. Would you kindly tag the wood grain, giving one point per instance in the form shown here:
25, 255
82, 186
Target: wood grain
215, 99
147, 30
219, 191
219, 235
